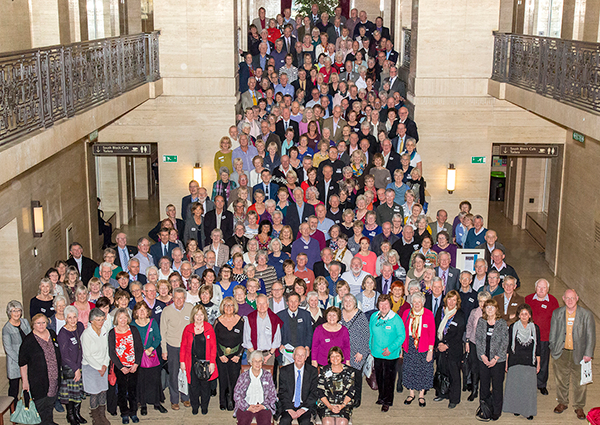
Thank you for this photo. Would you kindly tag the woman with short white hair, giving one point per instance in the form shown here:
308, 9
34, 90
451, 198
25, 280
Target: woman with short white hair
13, 333
255, 394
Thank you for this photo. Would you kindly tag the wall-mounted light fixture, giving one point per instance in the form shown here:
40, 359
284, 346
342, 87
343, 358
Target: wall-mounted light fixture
451, 178
37, 212
198, 173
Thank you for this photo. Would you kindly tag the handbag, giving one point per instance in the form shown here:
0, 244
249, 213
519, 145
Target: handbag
441, 383
112, 376
25, 412
202, 370
484, 411
67, 372
151, 360
369, 372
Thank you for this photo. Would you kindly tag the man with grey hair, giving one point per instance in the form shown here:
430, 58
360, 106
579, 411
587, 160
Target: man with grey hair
476, 235
143, 256
298, 389
542, 307
134, 271
262, 330
172, 322
105, 271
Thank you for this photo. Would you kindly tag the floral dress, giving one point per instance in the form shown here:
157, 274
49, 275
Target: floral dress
335, 387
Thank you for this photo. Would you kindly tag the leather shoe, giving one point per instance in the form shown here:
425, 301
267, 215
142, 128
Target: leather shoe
439, 398
230, 405
187, 404
560, 408
379, 402
472, 396
143, 410
544, 391
160, 408
174, 406
222, 407
580, 413
451, 405
385, 408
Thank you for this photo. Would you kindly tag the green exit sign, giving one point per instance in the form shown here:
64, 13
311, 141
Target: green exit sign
169, 158
579, 137
478, 160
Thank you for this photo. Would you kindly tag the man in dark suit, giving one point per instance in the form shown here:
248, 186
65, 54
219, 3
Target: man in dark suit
411, 126
298, 212
321, 268
85, 265
336, 165
393, 159
289, 41
284, 123
134, 272
297, 389
396, 84
225, 223
435, 301
399, 141
384, 282
262, 59
406, 246
384, 31
124, 252
186, 201
267, 136
269, 189
178, 224
449, 275
163, 247
327, 186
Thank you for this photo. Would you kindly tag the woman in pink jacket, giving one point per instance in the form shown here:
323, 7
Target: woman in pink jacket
417, 373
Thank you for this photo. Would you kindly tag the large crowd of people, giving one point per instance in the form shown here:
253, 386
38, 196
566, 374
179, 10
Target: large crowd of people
312, 263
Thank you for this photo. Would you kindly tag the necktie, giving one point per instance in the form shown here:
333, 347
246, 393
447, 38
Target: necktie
337, 30
253, 99
444, 277
287, 44
285, 125
298, 392
293, 317
266, 191
164, 250
437, 304
385, 287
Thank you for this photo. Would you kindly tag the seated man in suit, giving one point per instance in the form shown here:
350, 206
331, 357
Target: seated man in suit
447, 273
86, 266
440, 224
298, 389
163, 247
219, 218
270, 189
178, 224
124, 252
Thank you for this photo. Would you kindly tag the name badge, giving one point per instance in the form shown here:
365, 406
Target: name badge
193, 229
453, 324
478, 243
300, 320
186, 317
513, 304
74, 341
544, 306
236, 330
388, 328
450, 274
158, 310
43, 310
56, 344
327, 340
305, 247
471, 300
223, 217
338, 171
328, 374
425, 325
207, 336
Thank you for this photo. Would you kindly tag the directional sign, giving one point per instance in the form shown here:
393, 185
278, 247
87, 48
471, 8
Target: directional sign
169, 158
121, 149
478, 160
529, 150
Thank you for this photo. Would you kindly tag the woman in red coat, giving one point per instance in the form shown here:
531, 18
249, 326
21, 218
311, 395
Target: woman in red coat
198, 343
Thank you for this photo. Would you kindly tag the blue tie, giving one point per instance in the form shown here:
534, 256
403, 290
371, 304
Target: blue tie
297, 394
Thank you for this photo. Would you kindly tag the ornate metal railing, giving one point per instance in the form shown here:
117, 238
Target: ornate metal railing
406, 47
41, 86
565, 70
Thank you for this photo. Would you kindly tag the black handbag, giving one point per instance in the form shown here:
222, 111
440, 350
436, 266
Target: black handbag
441, 383
484, 411
67, 372
201, 369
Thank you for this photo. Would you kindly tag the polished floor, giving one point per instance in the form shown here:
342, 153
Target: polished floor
522, 253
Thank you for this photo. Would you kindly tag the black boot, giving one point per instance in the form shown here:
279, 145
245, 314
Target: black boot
71, 419
78, 416
473, 395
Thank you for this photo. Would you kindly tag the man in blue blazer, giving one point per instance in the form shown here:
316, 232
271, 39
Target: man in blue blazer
449, 275
163, 247
298, 212
297, 328
194, 187
269, 189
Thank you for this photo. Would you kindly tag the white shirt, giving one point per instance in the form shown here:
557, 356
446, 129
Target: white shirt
95, 348
255, 393
355, 282
278, 305
264, 337
79, 262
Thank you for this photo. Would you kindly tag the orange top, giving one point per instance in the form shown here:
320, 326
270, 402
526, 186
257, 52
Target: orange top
569, 336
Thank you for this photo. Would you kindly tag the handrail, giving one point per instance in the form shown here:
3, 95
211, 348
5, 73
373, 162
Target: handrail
565, 70
39, 87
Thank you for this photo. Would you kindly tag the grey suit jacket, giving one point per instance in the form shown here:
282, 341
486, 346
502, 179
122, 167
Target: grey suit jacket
11, 339
434, 232
256, 22
398, 86
247, 101
584, 333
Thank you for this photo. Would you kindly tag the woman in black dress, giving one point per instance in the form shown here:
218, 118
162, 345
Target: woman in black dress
229, 329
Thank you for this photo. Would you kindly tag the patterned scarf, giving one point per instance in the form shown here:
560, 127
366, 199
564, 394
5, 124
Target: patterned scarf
447, 316
416, 325
358, 171
526, 336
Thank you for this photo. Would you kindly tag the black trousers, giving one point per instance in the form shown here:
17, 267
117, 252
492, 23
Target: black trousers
493, 376
45, 408
228, 376
453, 369
399, 365
127, 392
13, 387
385, 374
542, 376
111, 399
474, 364
286, 419
358, 382
199, 392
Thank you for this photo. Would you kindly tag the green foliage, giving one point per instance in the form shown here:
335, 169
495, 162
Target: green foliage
302, 7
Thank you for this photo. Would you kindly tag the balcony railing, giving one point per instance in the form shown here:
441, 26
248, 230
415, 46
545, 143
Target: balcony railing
565, 70
41, 86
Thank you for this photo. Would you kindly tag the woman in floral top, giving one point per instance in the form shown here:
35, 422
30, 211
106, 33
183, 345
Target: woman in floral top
125, 349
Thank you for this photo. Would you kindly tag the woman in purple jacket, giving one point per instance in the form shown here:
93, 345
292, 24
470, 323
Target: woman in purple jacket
255, 394
330, 334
